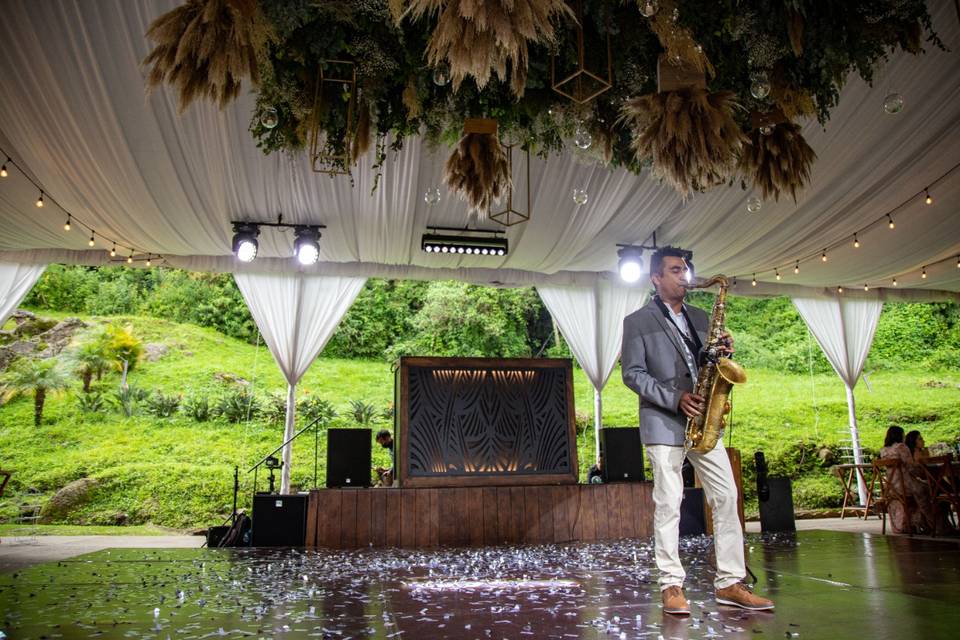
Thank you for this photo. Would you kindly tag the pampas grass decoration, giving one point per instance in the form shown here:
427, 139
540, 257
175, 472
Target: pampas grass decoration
478, 171
361, 136
480, 37
779, 162
678, 41
205, 47
690, 134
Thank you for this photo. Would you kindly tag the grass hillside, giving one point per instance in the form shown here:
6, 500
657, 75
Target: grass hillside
178, 472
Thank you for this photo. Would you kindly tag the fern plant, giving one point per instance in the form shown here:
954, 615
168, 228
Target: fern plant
362, 412
197, 407
162, 405
129, 398
237, 406
93, 402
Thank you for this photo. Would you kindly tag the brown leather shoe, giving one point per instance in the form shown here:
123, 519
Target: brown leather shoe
738, 595
674, 602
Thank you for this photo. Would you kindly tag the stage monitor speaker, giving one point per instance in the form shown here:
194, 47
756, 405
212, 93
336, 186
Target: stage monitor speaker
215, 535
622, 454
348, 457
693, 519
279, 520
776, 513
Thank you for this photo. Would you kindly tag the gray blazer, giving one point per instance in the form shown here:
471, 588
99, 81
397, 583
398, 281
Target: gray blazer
654, 367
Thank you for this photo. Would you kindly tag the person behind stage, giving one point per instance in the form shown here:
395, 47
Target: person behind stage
385, 440
661, 345
910, 483
917, 446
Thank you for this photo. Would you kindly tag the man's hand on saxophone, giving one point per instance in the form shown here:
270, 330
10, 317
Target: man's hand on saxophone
691, 404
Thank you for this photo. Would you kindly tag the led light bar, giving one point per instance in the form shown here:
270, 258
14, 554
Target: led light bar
465, 245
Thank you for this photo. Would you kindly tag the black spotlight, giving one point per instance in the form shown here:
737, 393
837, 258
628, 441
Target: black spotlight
464, 244
306, 245
631, 263
245, 243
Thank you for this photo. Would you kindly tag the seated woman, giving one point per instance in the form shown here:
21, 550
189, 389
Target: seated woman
915, 443
922, 517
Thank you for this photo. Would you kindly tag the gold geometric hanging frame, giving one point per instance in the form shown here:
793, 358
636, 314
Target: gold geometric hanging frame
510, 216
583, 85
328, 80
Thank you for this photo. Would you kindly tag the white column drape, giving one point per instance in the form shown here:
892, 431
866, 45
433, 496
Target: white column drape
16, 280
844, 329
591, 321
296, 314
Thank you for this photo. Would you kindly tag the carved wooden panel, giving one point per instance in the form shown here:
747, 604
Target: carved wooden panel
473, 421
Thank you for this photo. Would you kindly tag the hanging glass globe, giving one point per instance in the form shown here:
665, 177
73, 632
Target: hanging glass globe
766, 130
893, 103
269, 118
649, 8
432, 196
582, 137
759, 86
753, 204
580, 196
441, 74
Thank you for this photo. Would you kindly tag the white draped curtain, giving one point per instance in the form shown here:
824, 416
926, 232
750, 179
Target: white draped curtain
591, 321
16, 280
296, 314
844, 329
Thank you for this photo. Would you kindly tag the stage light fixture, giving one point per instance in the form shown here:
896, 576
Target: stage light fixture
473, 242
306, 245
245, 243
630, 263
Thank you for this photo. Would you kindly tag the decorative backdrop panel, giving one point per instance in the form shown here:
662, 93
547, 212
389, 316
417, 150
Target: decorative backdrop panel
485, 421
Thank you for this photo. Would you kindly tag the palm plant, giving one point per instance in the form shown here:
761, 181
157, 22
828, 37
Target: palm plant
39, 377
88, 358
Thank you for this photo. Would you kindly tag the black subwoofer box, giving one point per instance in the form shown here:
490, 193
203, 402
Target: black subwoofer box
279, 520
693, 519
348, 457
622, 454
776, 513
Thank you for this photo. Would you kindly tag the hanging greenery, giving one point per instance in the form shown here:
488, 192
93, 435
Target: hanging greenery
497, 65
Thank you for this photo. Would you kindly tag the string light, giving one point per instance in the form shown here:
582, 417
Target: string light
754, 283
148, 259
856, 242
40, 201
796, 269
924, 273
894, 282
130, 258
839, 289
66, 225
91, 241
890, 222
3, 169
777, 271
958, 262
113, 250
929, 198
865, 287
823, 256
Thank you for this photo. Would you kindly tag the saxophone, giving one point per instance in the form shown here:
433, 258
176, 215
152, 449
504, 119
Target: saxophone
715, 380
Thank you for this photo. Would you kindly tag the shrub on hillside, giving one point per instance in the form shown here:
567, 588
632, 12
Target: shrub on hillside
312, 408
64, 288
94, 402
237, 406
197, 406
274, 409
113, 297
162, 405
362, 412
129, 399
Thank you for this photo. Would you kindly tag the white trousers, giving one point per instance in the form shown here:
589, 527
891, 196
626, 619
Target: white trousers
716, 477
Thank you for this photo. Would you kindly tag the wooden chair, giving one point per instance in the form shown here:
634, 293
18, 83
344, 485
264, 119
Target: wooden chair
888, 476
942, 479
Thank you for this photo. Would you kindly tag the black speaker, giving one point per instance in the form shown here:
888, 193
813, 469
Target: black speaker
215, 535
279, 520
622, 454
348, 457
693, 519
776, 513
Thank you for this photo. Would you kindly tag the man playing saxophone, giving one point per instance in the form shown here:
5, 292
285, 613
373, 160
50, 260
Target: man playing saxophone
662, 344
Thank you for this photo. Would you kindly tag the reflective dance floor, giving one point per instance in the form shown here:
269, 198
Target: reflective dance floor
826, 585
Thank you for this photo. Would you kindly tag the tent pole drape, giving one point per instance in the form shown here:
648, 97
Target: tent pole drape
16, 280
597, 421
288, 431
855, 439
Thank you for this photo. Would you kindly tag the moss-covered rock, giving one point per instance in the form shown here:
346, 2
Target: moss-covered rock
67, 499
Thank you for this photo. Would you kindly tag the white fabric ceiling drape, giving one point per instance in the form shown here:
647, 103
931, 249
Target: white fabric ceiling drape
591, 321
16, 280
844, 329
296, 314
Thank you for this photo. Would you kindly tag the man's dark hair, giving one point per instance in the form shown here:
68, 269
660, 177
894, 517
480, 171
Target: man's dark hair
894, 435
382, 434
656, 260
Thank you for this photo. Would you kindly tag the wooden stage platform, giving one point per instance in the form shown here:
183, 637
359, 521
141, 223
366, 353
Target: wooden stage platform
478, 516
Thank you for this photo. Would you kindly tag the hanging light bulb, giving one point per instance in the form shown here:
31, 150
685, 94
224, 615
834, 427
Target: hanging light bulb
865, 287
856, 242
839, 289
40, 201
777, 271
754, 282
823, 256
890, 222
929, 198
924, 273
66, 225
894, 282
3, 169
148, 260
958, 262
113, 250
92, 241
130, 258
796, 268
